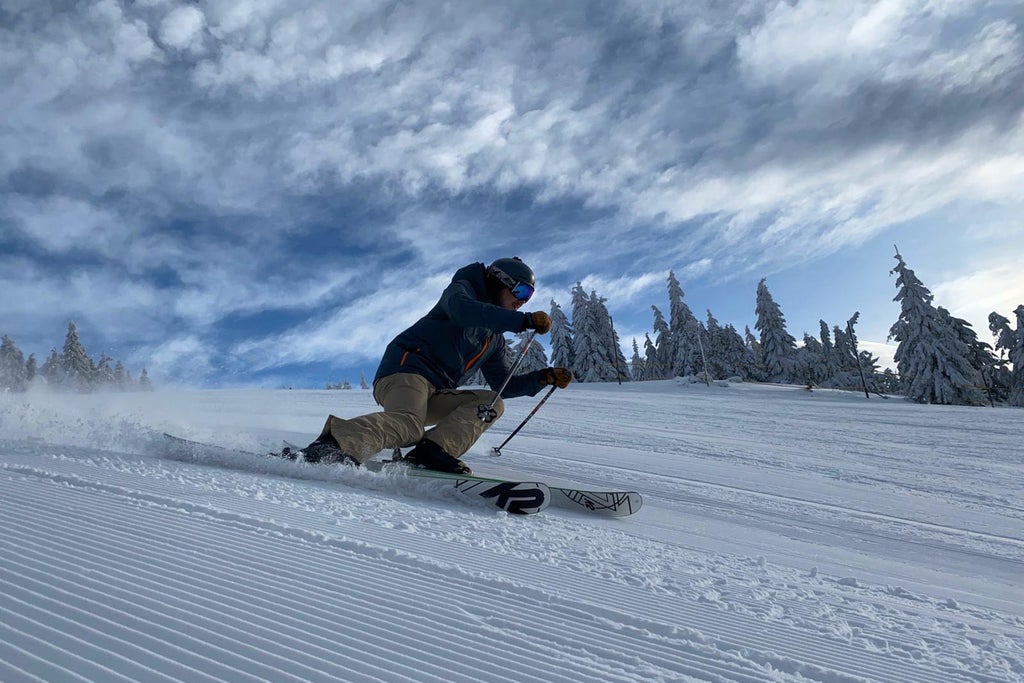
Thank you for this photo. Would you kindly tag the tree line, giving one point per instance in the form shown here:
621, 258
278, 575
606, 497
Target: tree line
939, 358
71, 369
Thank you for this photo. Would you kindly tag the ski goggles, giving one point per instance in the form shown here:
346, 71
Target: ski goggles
522, 291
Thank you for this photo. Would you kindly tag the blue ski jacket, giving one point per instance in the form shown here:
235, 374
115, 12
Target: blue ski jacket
462, 333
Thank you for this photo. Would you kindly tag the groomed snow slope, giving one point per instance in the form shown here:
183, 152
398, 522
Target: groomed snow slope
785, 536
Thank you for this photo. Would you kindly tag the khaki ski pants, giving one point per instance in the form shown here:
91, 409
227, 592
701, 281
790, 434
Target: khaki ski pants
411, 404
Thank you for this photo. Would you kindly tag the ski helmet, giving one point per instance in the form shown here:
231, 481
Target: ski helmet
514, 274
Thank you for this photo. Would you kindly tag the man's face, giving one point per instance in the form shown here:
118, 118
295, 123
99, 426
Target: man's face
508, 301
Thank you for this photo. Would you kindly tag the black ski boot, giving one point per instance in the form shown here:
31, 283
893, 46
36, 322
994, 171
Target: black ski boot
430, 456
325, 451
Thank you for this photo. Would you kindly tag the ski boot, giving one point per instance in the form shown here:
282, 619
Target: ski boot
430, 456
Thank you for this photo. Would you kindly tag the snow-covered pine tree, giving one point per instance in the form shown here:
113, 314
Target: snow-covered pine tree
120, 376
932, 361
777, 345
737, 359
714, 342
615, 361
13, 375
979, 353
31, 369
146, 384
684, 349
829, 359
362, 381
79, 368
864, 364
1010, 345
105, 373
1002, 378
53, 370
650, 359
663, 345
755, 371
585, 354
561, 339
636, 364
593, 336
536, 358
1017, 358
809, 362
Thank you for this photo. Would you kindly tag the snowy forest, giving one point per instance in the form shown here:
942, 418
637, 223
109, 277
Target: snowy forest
71, 369
940, 358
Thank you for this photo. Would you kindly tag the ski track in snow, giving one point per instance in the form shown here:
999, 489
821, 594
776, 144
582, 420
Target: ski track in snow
769, 548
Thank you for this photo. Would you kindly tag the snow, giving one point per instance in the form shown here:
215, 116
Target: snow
786, 535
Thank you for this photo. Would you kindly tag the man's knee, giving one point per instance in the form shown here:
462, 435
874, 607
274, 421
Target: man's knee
410, 427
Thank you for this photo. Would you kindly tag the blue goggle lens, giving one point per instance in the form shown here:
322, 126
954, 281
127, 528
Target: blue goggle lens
522, 291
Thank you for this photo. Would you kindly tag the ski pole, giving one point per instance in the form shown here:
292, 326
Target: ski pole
496, 451
486, 413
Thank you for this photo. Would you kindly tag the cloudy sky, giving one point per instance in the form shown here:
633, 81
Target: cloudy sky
266, 191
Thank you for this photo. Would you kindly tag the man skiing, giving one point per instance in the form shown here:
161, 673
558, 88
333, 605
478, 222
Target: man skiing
418, 378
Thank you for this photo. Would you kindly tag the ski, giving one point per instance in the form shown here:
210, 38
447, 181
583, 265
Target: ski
510, 494
603, 503
515, 497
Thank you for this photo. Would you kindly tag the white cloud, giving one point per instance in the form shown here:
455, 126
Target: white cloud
282, 133
184, 360
995, 52
182, 27
973, 295
884, 351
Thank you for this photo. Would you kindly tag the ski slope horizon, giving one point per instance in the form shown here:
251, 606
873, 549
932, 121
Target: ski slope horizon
786, 535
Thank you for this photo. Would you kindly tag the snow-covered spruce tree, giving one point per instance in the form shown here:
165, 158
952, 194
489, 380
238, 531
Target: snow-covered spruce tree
596, 359
755, 354
13, 374
120, 376
146, 384
862, 363
561, 338
31, 370
610, 361
636, 364
105, 373
663, 346
535, 359
1002, 376
979, 353
584, 335
778, 347
53, 370
1010, 345
809, 362
79, 368
1017, 358
363, 384
714, 348
651, 367
932, 361
737, 359
829, 359
683, 333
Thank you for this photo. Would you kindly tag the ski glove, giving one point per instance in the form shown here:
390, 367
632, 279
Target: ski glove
557, 376
538, 320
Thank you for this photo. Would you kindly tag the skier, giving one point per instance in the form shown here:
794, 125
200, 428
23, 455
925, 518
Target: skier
416, 382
